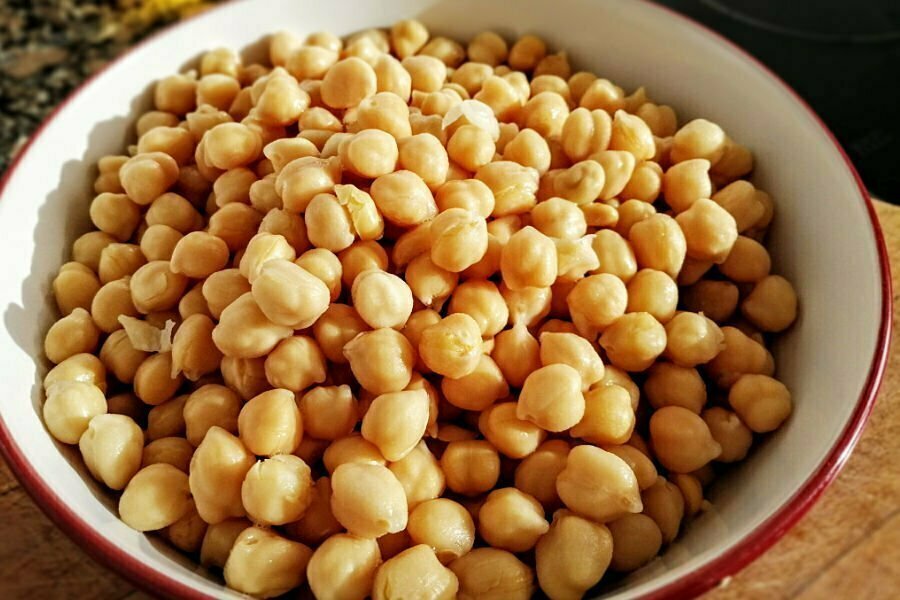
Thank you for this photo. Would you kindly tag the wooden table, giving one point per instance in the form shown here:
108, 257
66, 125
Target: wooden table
848, 546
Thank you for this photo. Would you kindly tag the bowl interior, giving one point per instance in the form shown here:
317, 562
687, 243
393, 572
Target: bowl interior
822, 239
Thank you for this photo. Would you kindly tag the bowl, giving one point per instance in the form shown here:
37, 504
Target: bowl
825, 239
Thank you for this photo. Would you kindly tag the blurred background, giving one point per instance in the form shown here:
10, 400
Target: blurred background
842, 57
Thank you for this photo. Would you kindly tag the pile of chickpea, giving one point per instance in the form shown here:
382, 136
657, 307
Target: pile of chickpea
449, 321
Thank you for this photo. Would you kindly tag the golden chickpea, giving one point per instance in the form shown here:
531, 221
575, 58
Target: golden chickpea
693, 270
368, 500
631, 133
428, 73
450, 52
555, 410
153, 380
246, 376
85, 368
69, 408
717, 300
681, 439
513, 185
636, 541
177, 142
167, 419
329, 412
639, 462
244, 331
492, 574
529, 149
687, 182
154, 287
763, 403
303, 178
382, 299
236, 224
516, 353
325, 266
396, 422
218, 90
608, 416
488, 47
615, 254
698, 139
546, 113
350, 449
477, 390
424, 155
118, 261
668, 384
264, 564
222, 288
482, 301
443, 525
471, 466
604, 95
217, 471
528, 260
471, 75
363, 255
740, 355
572, 556
231, 145
210, 406
115, 214
692, 339
771, 305
596, 302
337, 326
146, 122
73, 334
729, 432
295, 364
430, 284
585, 133
415, 572
370, 153
527, 52
344, 566
459, 239
634, 341
575, 351
420, 474
664, 504
120, 356
156, 497
741, 201
659, 244
408, 37
748, 261
159, 241
173, 451
175, 94
653, 292
233, 186
559, 218
511, 520
277, 490
451, 347
270, 423
660, 118
736, 161
75, 286
403, 198
218, 541
512, 436
471, 147
198, 255
536, 475
392, 78
381, 360
581, 183
347, 83
709, 230
193, 351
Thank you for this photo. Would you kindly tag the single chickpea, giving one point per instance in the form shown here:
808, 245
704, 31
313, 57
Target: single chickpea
318, 523
740, 355
729, 432
596, 302
222, 288
471, 466
692, 339
217, 471
477, 390
631, 133
634, 341
608, 416
262, 248
428, 73
244, 331
328, 223
325, 266
450, 52
664, 504
653, 292
528, 259
639, 462
459, 239
198, 255
736, 161
415, 572
585, 132
116, 215
513, 437
763, 403
337, 326
492, 574
270, 423
527, 305
118, 261
370, 153
514, 186
660, 118
581, 183
511, 520
451, 347
350, 449
580, 488
218, 541
659, 244
211, 405
482, 301
382, 299
75, 286
295, 364
693, 270
636, 541
668, 384
546, 113
537, 473
527, 52
175, 94
529, 149
517, 354
88, 248
193, 351
748, 261
381, 360
615, 254
420, 474
698, 139
471, 75
552, 411
424, 155
231, 145
687, 182
277, 490
709, 230
742, 202
575, 351
443, 525
368, 500
430, 284
177, 142
246, 376
363, 255
471, 147
236, 224
391, 77
120, 357
717, 300
146, 176
166, 419
73, 334
173, 451
396, 422
153, 380
303, 178
69, 408
264, 564
85, 368
156, 497
559, 218
572, 556
343, 566
408, 37
488, 47
681, 440
403, 198
604, 95
159, 241
347, 83
771, 305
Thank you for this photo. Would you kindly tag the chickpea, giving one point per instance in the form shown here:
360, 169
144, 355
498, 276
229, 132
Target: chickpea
403, 198
277, 490
771, 305
693, 270
596, 302
574, 351
303, 178
382, 299
512, 436
424, 155
528, 149
246, 376
527, 305
217, 90
471, 75
451, 347
482, 301
420, 474
639, 462
608, 416
527, 53
763, 403
664, 504
430, 284
264, 564
217, 470
585, 132
231, 145
692, 339
350, 449
218, 541
528, 260
488, 47
344, 567
156, 497
741, 201
477, 390
236, 224
233, 186
115, 214
337, 326
270, 423
511, 520
681, 439
451, 53
581, 183
368, 500
75, 286
244, 331
193, 351
740, 355
155, 287
709, 230
748, 262
167, 419
175, 94
659, 243
118, 261
381, 360
729, 432
555, 410
325, 266
636, 541
631, 133
146, 122
687, 182
396, 422
717, 300
370, 153
471, 466
153, 380
572, 556
173, 451
604, 95
698, 139
615, 254
69, 408
634, 341
443, 525
559, 218
415, 572
545, 113
513, 185
85, 368
73, 334
492, 574
198, 255
516, 353
159, 241
459, 239
210, 406
672, 385
653, 292
536, 475
222, 288
408, 37
579, 487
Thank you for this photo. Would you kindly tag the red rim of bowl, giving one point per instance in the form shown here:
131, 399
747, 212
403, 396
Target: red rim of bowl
710, 574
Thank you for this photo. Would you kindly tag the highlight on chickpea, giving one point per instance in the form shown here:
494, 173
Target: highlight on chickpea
395, 316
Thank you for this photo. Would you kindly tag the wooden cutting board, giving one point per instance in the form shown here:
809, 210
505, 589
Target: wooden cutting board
848, 546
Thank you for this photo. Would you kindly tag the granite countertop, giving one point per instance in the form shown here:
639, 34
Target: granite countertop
48, 47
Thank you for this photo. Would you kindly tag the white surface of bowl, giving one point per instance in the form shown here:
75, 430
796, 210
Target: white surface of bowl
825, 240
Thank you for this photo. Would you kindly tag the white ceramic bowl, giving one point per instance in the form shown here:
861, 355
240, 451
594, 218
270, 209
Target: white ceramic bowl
825, 239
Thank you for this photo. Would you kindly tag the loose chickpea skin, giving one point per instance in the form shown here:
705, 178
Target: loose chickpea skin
572, 556
264, 564
771, 305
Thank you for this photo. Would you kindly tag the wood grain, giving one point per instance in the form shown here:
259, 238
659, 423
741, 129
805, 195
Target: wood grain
848, 546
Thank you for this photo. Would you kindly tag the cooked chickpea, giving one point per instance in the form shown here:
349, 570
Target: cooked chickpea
368, 500
85, 368
277, 490
653, 292
303, 178
209, 406
598, 484
217, 471
222, 288
167, 419
173, 451
244, 331
430, 284
264, 564
156, 497
146, 122
659, 244
246, 376
748, 261
514, 186
575, 351
687, 182
116, 215
443, 525
403, 198
596, 302
73, 334
381, 360
516, 353
477, 390
692, 339
159, 241
636, 541
681, 440
325, 266
459, 239
236, 224
664, 504
270, 423
69, 408
742, 202
118, 261
709, 230
572, 556
370, 153
528, 260
396, 422
634, 341
717, 300
482, 301
492, 574
198, 255
451, 347
382, 299
154, 382
424, 155
668, 384
771, 305
350, 449
488, 47
512, 436
639, 462
511, 520
218, 541
415, 572
551, 398
608, 416
763, 403
75, 286
343, 567
729, 432
471, 466
615, 254
740, 354
698, 139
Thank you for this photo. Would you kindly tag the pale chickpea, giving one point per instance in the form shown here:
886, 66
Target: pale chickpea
482, 301
154, 382
115, 214
218, 541
156, 497
634, 341
217, 90
551, 398
659, 244
343, 566
488, 47
527, 52
709, 230
349, 449
231, 145
403, 198
73, 334
513, 185
681, 440
471, 147
729, 432
328, 223
527, 305
559, 218
528, 260
471, 466
615, 254
415, 572
198, 255
660, 118
529, 149
459, 239
75, 286
347, 83
698, 139
572, 556
246, 376
596, 302
669, 384
295, 364
717, 300
742, 202
581, 183
325, 266
337, 326
631, 133
395, 422
262, 248
653, 292
303, 178
443, 525
69, 408
381, 360
118, 261
450, 52
428, 73
546, 113
430, 284
477, 390
85, 368
424, 155
608, 416
264, 564
217, 471
645, 183
511, 520
363, 255
270, 423
222, 288
762, 403
451, 347
692, 339
585, 132
736, 161
638, 461
517, 354
368, 499
771, 305
471, 75
604, 95
277, 490
512, 436
175, 94
146, 122
636, 541
244, 331
492, 574
687, 182
236, 224
369, 153
575, 351
408, 37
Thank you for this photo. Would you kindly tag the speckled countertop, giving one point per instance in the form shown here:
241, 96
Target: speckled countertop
48, 47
